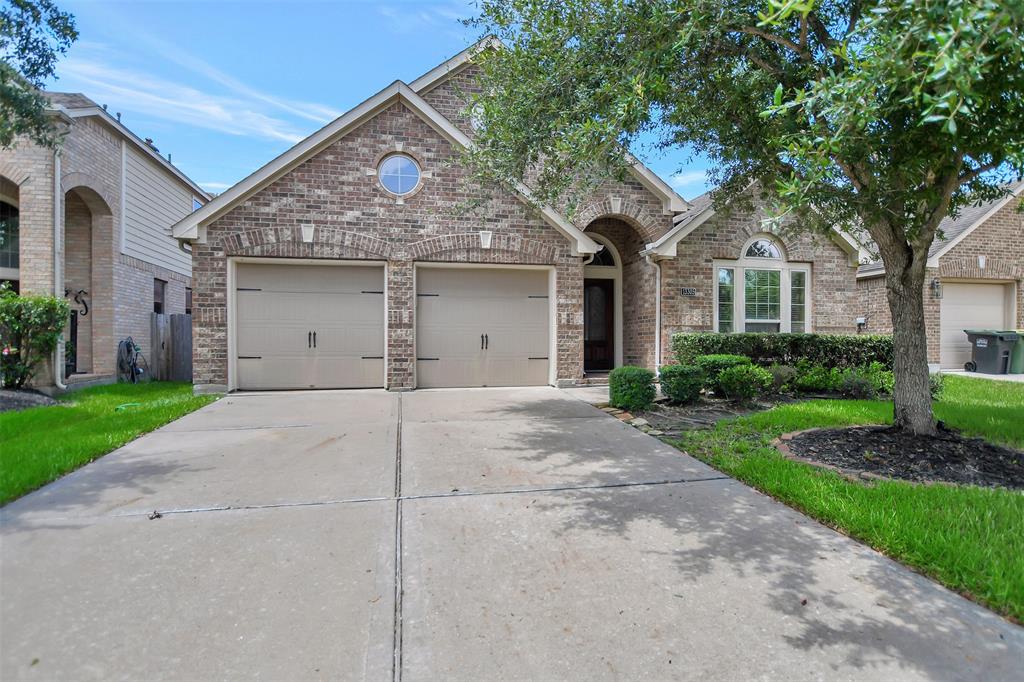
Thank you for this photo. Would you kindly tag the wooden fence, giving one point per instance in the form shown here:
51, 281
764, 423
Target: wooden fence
171, 347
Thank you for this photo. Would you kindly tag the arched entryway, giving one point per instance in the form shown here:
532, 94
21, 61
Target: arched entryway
620, 272
602, 309
10, 266
88, 274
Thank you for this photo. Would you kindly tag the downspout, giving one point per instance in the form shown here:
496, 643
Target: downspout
58, 279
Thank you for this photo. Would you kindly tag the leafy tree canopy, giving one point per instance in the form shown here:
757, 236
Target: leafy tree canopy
33, 34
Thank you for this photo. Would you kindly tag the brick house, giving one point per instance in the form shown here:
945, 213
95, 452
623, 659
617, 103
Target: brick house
91, 222
975, 280
351, 260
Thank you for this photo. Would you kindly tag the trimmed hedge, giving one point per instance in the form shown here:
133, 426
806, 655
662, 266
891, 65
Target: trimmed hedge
743, 383
682, 383
830, 350
712, 366
631, 388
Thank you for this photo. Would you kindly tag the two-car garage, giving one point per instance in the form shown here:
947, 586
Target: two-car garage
299, 325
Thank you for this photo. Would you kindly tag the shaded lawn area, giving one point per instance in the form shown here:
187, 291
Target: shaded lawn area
41, 444
968, 538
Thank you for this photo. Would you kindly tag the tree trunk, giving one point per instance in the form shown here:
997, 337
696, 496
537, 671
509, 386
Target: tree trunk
912, 402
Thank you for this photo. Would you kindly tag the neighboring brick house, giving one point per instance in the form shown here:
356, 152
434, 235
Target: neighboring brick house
975, 280
91, 222
352, 260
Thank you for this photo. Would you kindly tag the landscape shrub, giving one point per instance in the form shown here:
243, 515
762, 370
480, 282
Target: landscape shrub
682, 383
831, 350
812, 378
631, 388
936, 384
30, 328
743, 383
855, 383
712, 366
782, 377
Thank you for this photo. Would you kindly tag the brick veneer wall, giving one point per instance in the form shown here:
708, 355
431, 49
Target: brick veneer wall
833, 286
354, 218
1000, 239
120, 288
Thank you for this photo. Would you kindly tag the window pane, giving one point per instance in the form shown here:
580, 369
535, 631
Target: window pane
769, 327
398, 174
763, 248
726, 297
762, 294
8, 235
798, 302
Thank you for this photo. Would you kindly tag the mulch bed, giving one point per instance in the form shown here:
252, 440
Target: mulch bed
882, 451
673, 420
22, 399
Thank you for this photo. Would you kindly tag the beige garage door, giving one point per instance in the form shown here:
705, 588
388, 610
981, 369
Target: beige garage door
482, 327
969, 306
309, 326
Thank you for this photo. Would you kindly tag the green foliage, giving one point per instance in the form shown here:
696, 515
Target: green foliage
970, 539
817, 378
743, 383
30, 328
631, 388
782, 377
32, 35
682, 383
43, 443
832, 350
880, 117
712, 366
936, 385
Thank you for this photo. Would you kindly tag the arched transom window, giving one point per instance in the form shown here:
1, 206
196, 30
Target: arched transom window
762, 291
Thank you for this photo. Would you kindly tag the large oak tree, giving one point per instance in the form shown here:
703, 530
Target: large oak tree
874, 116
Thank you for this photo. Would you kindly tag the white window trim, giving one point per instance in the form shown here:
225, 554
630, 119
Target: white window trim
785, 268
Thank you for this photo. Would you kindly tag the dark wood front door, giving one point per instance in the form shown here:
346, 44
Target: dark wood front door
598, 325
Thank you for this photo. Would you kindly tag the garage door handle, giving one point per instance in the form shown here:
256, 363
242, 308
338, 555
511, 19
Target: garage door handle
309, 339
481, 342
487, 341
314, 339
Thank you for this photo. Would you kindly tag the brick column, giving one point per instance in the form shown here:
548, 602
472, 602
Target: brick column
401, 325
569, 291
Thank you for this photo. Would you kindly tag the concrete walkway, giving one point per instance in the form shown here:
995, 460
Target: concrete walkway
464, 534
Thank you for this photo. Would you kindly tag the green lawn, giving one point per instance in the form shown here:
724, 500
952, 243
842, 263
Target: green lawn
970, 539
44, 443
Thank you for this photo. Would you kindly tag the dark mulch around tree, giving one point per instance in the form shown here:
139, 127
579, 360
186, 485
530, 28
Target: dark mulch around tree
22, 399
894, 453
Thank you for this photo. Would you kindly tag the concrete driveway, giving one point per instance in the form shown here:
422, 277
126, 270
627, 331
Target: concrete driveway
461, 534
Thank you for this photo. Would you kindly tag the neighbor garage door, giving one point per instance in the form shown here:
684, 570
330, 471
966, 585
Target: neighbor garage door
482, 327
969, 306
309, 326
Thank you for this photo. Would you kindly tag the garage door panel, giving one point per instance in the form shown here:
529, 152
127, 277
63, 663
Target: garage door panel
456, 306
280, 306
968, 305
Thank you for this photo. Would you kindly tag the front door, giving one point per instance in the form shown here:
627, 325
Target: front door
598, 325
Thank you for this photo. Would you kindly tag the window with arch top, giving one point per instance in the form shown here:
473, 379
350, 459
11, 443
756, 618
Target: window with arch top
762, 291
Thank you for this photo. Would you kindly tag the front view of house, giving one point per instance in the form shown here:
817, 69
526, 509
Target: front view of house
354, 260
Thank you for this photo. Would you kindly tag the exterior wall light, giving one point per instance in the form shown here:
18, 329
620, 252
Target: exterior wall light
936, 288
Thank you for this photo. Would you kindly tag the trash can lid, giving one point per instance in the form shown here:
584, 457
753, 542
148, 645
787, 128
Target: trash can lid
987, 332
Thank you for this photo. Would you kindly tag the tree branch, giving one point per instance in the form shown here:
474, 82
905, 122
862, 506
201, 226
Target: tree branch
778, 40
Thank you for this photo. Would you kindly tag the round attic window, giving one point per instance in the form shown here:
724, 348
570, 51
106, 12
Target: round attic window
399, 174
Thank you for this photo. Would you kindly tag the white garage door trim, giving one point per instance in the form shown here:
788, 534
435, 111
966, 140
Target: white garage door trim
232, 307
552, 306
1009, 312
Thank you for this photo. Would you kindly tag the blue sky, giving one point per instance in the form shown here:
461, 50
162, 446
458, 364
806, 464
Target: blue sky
226, 86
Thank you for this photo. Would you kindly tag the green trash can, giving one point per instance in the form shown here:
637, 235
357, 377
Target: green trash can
1017, 356
990, 350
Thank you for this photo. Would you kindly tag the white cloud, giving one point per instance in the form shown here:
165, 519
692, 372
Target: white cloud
141, 93
406, 18
682, 180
